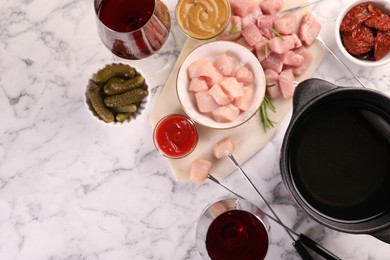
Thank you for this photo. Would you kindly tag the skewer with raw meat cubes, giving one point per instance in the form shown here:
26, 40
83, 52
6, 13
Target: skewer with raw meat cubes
200, 168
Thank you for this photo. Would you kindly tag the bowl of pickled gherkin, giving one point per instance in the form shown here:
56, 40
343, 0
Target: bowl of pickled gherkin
117, 94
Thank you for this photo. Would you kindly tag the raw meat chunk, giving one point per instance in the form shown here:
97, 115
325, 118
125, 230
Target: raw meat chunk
308, 29
271, 77
251, 18
286, 78
225, 114
223, 148
245, 101
280, 46
272, 82
232, 87
308, 58
200, 169
287, 24
265, 23
204, 68
243, 7
251, 34
244, 75
292, 59
271, 6
273, 62
219, 95
274, 91
233, 30
244, 43
197, 84
225, 64
205, 102
297, 41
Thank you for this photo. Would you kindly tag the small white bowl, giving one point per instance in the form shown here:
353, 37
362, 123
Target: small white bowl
211, 50
140, 107
384, 5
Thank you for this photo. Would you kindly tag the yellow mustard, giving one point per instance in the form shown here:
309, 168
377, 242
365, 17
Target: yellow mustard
203, 19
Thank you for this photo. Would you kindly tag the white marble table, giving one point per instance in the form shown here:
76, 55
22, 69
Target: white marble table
71, 188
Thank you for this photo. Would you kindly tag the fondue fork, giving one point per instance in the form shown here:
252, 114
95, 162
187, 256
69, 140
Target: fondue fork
293, 9
301, 238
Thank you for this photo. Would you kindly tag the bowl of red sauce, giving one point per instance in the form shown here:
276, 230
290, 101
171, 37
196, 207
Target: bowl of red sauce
175, 136
362, 32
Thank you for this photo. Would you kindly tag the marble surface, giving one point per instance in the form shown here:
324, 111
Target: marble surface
72, 188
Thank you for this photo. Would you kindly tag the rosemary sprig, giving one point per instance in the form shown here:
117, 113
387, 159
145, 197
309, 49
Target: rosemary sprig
277, 34
234, 29
266, 50
267, 122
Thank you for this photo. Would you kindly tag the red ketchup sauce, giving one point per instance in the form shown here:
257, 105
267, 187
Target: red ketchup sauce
175, 136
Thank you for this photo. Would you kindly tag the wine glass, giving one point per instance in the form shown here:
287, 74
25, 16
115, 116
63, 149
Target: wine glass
232, 228
135, 30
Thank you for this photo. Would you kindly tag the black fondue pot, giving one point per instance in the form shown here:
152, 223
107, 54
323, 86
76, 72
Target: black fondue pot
335, 157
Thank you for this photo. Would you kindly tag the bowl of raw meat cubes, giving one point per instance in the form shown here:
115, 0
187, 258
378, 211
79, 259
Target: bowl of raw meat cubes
362, 32
220, 85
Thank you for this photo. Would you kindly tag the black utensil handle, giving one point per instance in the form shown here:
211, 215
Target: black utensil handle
308, 90
302, 251
317, 248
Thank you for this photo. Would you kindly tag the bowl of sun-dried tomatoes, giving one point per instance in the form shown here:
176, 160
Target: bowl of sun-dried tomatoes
363, 32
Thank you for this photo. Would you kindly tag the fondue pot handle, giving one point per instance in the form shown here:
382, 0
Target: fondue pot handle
309, 90
383, 235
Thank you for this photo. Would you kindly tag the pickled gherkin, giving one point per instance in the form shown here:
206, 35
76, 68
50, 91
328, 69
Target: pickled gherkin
120, 117
129, 97
97, 103
114, 70
117, 86
125, 109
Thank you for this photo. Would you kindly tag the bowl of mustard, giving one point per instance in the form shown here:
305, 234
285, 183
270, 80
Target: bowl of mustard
203, 19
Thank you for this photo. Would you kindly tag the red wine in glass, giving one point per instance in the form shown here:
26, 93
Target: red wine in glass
232, 228
133, 29
237, 234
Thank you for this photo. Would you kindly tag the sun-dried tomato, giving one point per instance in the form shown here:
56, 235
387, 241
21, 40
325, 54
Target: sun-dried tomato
382, 44
356, 16
359, 41
378, 20
366, 56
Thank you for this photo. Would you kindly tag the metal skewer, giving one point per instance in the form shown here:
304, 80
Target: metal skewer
293, 9
212, 178
319, 38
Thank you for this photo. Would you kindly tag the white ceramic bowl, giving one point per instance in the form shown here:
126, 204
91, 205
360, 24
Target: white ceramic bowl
211, 50
384, 5
141, 106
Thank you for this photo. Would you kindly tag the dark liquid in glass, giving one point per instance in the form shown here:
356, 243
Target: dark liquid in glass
237, 234
133, 29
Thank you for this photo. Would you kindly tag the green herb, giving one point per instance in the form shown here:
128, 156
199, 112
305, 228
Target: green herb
267, 122
234, 29
266, 50
277, 34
